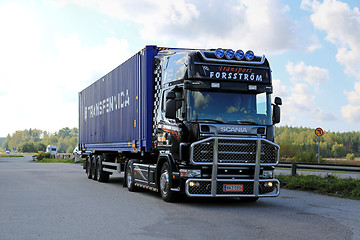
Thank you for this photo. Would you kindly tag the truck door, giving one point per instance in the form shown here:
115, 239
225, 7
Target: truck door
169, 131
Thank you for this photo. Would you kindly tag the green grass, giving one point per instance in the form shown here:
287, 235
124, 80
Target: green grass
329, 185
9, 155
56, 160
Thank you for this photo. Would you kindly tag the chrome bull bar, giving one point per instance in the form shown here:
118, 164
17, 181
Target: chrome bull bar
221, 151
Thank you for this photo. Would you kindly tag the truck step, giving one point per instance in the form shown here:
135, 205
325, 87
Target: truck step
110, 164
110, 170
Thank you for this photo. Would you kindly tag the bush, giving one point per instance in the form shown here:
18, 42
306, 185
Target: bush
330, 185
41, 156
288, 150
306, 157
350, 157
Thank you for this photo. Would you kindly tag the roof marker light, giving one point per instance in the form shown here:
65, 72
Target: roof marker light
252, 87
229, 54
219, 53
239, 54
249, 55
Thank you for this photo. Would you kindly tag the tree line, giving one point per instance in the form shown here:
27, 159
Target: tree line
300, 142
35, 140
295, 142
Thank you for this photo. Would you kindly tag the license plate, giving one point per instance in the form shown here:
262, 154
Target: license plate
233, 187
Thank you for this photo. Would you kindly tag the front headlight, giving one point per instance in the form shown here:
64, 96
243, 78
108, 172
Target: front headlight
190, 173
268, 174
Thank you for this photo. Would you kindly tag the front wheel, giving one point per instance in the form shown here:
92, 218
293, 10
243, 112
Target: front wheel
165, 184
130, 183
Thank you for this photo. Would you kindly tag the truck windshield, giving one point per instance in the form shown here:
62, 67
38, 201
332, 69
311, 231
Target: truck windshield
229, 108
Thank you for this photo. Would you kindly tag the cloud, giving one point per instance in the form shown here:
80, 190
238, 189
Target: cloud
323, 116
39, 91
342, 26
87, 63
230, 25
300, 103
200, 101
20, 44
300, 98
309, 74
279, 89
354, 96
351, 112
313, 44
261, 25
74, 67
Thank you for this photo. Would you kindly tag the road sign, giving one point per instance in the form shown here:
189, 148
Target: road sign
319, 132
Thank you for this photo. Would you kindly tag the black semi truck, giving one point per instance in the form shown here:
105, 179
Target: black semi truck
175, 121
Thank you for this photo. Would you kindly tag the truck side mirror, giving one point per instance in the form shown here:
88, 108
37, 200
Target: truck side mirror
276, 114
170, 108
278, 101
170, 95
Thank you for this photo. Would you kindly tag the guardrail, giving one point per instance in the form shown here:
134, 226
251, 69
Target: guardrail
295, 166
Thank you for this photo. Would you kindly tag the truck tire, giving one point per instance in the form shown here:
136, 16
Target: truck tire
130, 183
93, 167
88, 167
101, 176
165, 183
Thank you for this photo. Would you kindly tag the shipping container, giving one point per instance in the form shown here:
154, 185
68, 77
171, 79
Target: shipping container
116, 110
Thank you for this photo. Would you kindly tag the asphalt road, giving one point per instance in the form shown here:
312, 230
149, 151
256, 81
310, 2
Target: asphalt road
57, 201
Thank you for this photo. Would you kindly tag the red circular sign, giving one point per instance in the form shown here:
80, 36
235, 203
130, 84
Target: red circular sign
319, 132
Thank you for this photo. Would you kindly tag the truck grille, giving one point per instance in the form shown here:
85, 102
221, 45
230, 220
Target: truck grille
234, 151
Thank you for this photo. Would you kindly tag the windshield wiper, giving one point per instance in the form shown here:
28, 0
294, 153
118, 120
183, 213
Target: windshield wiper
210, 120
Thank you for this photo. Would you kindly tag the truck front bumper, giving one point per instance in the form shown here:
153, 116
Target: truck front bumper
197, 187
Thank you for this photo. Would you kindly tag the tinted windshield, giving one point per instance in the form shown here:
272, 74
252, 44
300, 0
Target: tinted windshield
230, 108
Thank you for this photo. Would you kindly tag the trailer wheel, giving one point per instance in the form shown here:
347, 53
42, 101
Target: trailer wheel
101, 176
130, 183
165, 184
93, 167
88, 167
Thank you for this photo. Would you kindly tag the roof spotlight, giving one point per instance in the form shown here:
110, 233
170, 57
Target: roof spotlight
239, 54
249, 55
219, 53
229, 54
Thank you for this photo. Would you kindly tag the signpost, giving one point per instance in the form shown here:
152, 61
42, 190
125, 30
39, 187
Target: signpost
319, 132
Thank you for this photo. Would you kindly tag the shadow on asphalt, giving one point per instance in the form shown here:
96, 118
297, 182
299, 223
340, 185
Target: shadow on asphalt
203, 202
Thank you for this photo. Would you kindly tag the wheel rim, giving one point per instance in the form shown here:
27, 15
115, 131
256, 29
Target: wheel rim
129, 178
164, 182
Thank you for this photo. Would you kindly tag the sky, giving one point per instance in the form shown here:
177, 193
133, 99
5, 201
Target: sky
52, 49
